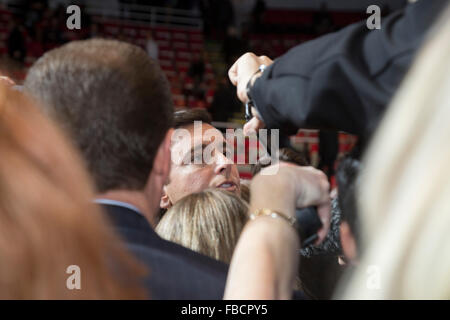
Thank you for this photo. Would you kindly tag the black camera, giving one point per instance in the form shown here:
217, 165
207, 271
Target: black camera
308, 223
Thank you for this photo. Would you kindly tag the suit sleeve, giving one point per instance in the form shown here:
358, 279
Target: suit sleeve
344, 80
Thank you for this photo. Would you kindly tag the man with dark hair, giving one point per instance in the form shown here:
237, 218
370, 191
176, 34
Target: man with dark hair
116, 113
202, 160
186, 117
115, 103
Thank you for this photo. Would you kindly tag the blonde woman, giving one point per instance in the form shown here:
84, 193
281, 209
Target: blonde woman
50, 230
208, 222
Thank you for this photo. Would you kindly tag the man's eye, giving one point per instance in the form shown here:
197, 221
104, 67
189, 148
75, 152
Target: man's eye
228, 156
197, 158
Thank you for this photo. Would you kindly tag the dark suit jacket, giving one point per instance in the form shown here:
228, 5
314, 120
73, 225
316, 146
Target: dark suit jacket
344, 80
174, 271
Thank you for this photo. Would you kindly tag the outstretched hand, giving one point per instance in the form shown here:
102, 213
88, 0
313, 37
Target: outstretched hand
240, 73
7, 81
294, 187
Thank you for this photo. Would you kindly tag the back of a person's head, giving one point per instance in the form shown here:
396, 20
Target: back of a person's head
113, 100
47, 219
208, 222
404, 196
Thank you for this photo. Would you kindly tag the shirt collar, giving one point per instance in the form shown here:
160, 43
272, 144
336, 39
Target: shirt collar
117, 203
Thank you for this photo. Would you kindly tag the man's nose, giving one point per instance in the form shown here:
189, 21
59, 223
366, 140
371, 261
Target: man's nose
223, 164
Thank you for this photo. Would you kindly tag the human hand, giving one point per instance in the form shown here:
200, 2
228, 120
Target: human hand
293, 187
254, 124
243, 69
7, 81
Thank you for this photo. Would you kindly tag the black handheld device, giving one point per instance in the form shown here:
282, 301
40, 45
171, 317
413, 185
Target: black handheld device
308, 223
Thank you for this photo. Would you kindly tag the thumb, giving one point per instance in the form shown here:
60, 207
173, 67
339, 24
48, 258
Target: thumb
233, 74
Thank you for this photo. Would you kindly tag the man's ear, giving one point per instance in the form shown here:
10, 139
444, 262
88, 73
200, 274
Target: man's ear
162, 165
165, 202
348, 242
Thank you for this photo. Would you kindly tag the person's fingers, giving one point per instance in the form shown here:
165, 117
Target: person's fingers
7, 80
312, 186
313, 189
324, 212
249, 56
318, 193
236, 72
253, 126
233, 73
265, 60
325, 187
249, 127
334, 193
241, 91
243, 69
304, 187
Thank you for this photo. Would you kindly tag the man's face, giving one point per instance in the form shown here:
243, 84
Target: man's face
199, 162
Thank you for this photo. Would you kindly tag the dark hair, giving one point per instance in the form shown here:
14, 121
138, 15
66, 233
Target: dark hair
113, 100
285, 154
185, 117
346, 178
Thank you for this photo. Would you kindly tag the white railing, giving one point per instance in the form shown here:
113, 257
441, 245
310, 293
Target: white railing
148, 15
141, 14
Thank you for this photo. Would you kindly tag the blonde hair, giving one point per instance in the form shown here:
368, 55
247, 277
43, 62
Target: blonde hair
405, 190
208, 222
47, 219
245, 190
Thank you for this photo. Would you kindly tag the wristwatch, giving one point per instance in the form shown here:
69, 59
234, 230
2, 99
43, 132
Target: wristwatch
250, 103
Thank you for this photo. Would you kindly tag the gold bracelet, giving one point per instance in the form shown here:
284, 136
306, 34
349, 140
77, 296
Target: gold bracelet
274, 214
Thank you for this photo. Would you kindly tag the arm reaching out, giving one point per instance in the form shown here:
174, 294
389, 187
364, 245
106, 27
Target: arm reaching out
265, 260
340, 81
